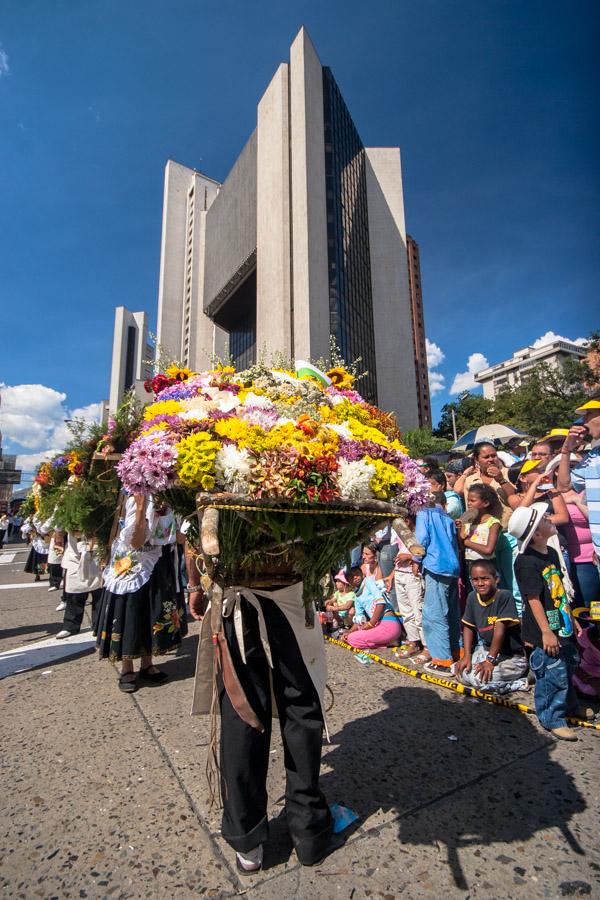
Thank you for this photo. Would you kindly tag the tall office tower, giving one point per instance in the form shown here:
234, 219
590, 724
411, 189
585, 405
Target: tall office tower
418, 328
304, 239
131, 355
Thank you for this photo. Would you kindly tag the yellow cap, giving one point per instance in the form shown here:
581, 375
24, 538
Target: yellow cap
528, 465
591, 404
553, 434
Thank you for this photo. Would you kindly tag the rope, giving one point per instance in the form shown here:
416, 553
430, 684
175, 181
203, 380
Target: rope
365, 514
454, 685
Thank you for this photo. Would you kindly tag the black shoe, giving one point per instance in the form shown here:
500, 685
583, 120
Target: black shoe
153, 677
334, 843
128, 687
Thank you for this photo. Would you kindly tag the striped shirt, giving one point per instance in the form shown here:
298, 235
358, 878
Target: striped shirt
586, 477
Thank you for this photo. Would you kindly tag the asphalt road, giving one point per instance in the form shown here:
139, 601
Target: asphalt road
104, 794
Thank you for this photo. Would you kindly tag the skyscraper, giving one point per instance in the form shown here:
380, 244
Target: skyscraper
304, 239
418, 327
131, 356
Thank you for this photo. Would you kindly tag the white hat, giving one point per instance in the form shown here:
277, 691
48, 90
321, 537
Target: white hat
555, 462
524, 521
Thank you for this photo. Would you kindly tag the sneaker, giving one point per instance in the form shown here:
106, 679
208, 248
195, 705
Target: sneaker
62, 605
437, 669
564, 734
363, 659
50, 589
249, 862
64, 634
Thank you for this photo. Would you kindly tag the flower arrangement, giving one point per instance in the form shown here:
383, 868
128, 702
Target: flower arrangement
264, 433
299, 465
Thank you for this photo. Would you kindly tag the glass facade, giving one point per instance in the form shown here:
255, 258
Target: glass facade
242, 326
349, 262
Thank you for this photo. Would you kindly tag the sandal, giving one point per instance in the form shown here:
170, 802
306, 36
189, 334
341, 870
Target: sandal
127, 684
153, 677
422, 658
408, 651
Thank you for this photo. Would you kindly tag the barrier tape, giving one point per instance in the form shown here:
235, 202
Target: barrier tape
453, 685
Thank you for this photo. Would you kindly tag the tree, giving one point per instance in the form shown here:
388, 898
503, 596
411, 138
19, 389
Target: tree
421, 442
470, 410
546, 398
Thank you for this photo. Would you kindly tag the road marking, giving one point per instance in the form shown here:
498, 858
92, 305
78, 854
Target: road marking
8, 587
42, 653
7, 558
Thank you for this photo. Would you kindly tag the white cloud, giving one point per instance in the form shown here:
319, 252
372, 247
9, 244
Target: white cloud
435, 357
550, 337
437, 383
32, 416
4, 66
28, 462
435, 354
465, 381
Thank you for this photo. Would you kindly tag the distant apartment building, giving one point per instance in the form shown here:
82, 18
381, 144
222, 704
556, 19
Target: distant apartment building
304, 240
418, 329
130, 357
510, 373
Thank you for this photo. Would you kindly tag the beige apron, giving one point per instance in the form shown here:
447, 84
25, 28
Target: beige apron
310, 641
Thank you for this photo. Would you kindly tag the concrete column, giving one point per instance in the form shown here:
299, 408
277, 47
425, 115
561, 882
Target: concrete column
309, 215
273, 266
396, 388
172, 258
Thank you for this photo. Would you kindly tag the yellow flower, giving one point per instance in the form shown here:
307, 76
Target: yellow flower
161, 426
386, 480
225, 370
340, 377
162, 407
179, 373
240, 431
195, 460
367, 433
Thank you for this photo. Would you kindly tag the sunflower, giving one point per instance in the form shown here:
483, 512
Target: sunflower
179, 373
340, 378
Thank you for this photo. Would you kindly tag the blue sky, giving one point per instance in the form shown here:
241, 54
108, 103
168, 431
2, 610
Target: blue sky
492, 103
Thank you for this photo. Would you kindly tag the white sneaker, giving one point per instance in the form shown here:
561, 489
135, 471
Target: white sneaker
52, 589
63, 634
62, 605
249, 862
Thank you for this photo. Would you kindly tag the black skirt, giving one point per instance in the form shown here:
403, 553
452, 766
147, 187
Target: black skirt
148, 622
35, 561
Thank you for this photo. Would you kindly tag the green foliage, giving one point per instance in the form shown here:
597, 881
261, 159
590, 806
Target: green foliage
470, 410
88, 506
27, 507
422, 441
546, 398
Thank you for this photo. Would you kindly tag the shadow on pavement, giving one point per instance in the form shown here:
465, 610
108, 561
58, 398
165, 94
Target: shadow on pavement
49, 628
455, 773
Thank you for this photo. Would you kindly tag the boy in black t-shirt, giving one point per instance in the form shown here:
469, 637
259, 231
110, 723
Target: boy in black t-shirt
547, 622
498, 662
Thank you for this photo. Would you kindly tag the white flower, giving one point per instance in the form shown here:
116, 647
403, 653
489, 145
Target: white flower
232, 469
341, 429
258, 400
354, 480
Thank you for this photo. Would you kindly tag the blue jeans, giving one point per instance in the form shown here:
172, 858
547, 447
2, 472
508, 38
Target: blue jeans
586, 582
441, 616
555, 696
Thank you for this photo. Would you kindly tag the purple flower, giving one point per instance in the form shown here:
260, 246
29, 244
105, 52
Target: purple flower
148, 465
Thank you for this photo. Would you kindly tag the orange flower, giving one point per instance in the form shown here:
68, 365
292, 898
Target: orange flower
123, 565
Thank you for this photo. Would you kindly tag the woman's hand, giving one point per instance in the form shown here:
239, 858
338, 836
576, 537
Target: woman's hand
196, 602
140, 501
462, 665
494, 472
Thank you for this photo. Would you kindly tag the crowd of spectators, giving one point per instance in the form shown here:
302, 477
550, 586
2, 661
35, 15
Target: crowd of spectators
500, 586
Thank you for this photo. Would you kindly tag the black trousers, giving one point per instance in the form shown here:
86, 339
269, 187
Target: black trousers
245, 751
75, 607
56, 574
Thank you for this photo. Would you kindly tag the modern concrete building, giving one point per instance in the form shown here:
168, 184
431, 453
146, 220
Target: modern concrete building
131, 352
418, 327
509, 373
304, 239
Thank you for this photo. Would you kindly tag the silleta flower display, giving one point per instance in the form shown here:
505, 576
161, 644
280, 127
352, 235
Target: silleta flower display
267, 433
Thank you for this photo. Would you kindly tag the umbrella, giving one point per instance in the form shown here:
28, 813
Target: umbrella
495, 434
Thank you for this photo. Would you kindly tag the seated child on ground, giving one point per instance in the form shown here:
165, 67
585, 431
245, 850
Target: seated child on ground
341, 603
586, 678
375, 622
494, 658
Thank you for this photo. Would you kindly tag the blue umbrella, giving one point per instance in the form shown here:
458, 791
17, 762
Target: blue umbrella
495, 434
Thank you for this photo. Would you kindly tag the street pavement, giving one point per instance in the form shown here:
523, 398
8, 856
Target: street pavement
105, 795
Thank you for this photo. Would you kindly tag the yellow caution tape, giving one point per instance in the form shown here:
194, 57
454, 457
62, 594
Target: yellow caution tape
453, 685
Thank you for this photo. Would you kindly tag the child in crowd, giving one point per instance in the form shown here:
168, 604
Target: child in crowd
408, 583
480, 535
498, 663
548, 625
436, 533
375, 622
341, 603
82, 577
